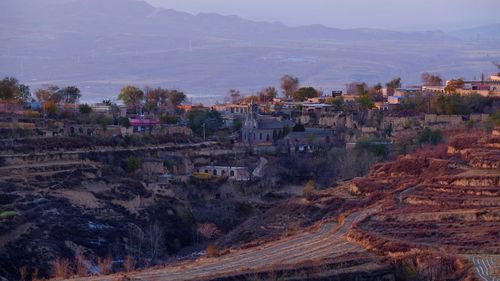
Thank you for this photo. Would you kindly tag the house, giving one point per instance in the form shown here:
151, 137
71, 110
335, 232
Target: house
234, 173
392, 100
101, 108
72, 129
230, 109
310, 140
310, 107
407, 92
143, 125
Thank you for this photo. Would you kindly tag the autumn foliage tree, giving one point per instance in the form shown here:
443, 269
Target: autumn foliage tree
132, 97
453, 85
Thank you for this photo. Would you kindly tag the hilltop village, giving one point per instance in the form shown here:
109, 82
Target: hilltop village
149, 179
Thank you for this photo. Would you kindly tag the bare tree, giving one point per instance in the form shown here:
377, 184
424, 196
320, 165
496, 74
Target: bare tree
289, 85
430, 79
235, 96
154, 236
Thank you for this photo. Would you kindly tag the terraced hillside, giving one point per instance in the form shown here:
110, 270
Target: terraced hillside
434, 214
451, 204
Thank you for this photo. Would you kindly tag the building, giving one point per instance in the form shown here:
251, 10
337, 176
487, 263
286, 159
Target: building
310, 140
407, 92
101, 108
230, 109
392, 100
234, 173
143, 125
263, 130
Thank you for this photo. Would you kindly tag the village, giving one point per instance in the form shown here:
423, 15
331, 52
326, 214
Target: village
155, 160
302, 120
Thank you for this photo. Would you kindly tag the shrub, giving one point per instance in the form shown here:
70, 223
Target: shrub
212, 250
309, 189
428, 136
133, 164
8, 214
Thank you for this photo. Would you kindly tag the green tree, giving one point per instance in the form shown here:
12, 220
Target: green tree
495, 117
85, 109
133, 164
365, 102
12, 90
476, 103
199, 120
428, 136
124, 122
305, 93
132, 97
70, 94
337, 102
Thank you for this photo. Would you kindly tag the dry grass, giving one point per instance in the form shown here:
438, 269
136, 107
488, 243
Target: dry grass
81, 268
129, 264
212, 250
23, 273
61, 268
105, 265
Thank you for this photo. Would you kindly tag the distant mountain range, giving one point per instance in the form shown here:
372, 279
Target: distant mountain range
101, 45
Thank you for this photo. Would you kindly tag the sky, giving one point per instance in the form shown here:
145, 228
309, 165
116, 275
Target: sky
404, 15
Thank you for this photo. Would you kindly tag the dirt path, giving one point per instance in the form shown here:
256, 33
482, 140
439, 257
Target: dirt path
487, 267
327, 242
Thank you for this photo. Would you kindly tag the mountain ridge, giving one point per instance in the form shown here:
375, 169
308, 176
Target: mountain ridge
102, 45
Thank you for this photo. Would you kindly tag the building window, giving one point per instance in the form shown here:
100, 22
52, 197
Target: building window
231, 173
267, 137
214, 172
80, 130
260, 136
206, 171
72, 130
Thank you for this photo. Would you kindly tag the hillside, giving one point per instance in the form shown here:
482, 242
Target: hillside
102, 45
432, 215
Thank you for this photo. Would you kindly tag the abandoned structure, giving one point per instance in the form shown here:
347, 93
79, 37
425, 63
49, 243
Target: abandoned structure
235, 173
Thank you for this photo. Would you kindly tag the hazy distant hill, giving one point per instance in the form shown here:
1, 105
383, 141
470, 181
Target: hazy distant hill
483, 33
103, 44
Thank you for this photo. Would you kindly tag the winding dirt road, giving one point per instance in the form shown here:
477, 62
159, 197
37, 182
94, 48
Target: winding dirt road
327, 242
486, 266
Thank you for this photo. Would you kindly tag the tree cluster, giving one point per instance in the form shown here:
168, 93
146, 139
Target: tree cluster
152, 100
12, 90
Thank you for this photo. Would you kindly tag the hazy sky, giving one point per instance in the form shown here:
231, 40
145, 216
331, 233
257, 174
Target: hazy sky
388, 14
